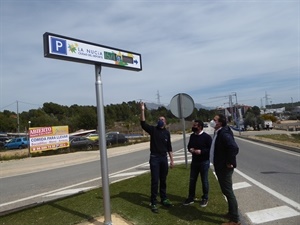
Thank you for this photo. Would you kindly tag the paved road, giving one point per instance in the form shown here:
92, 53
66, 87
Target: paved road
258, 192
34, 180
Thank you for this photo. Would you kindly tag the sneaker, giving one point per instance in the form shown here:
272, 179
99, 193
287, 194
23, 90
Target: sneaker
166, 203
232, 223
154, 208
203, 202
188, 201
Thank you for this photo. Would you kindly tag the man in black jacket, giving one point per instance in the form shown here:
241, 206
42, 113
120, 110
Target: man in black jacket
223, 155
199, 145
160, 147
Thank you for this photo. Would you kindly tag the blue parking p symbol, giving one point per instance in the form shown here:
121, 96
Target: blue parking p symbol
58, 46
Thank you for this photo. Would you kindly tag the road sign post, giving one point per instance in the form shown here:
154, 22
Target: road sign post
182, 106
70, 49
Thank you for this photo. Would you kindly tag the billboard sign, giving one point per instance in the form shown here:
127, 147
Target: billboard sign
48, 138
70, 49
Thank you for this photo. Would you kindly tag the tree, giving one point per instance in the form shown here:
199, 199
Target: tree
8, 121
256, 110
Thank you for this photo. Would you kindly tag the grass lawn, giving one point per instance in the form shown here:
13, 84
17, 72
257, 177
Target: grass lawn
129, 199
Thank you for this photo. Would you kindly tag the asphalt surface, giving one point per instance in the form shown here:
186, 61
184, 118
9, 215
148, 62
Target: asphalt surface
29, 165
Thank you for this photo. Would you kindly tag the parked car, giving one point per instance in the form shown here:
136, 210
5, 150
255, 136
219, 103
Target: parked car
93, 137
17, 143
115, 138
3, 141
77, 142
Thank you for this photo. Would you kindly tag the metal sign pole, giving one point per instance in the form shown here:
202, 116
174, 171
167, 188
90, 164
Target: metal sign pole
183, 125
102, 147
56, 47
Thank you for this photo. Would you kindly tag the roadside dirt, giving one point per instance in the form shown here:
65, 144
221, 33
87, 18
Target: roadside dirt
115, 219
268, 140
19, 153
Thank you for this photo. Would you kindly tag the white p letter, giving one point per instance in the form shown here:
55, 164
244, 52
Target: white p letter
59, 44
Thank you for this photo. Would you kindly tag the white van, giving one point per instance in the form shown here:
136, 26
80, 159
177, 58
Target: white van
268, 124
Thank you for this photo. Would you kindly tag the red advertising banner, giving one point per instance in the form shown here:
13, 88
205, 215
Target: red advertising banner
48, 138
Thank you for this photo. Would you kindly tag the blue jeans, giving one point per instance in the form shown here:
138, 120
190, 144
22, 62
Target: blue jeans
196, 169
159, 171
225, 181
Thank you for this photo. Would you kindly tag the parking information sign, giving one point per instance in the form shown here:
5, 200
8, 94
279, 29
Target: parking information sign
60, 47
65, 48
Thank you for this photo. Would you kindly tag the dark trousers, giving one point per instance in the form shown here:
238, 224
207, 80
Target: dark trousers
159, 171
225, 181
196, 169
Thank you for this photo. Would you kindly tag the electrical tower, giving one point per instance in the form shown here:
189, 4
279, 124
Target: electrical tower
267, 99
158, 97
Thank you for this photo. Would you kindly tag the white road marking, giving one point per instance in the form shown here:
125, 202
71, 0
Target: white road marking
176, 156
267, 215
181, 161
49, 192
255, 217
125, 178
129, 174
270, 191
70, 191
68, 187
240, 185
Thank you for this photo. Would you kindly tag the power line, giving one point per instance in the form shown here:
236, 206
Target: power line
30, 103
16, 102
8, 105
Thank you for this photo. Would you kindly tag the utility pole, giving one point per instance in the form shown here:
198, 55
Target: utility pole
18, 120
230, 103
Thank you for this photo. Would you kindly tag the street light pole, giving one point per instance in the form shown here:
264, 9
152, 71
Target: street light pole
236, 112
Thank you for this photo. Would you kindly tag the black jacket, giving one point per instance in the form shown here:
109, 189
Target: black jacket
160, 139
202, 142
226, 149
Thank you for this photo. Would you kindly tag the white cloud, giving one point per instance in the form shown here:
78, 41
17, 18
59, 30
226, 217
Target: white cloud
202, 48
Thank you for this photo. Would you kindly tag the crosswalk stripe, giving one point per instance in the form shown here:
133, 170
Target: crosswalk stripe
240, 185
271, 214
129, 174
70, 191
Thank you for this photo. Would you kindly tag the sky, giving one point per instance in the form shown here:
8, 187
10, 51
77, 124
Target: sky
209, 50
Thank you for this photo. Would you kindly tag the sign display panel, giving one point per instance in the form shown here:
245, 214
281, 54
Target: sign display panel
48, 138
60, 47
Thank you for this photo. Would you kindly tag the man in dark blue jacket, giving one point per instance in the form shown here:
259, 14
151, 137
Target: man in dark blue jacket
199, 145
223, 155
160, 147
